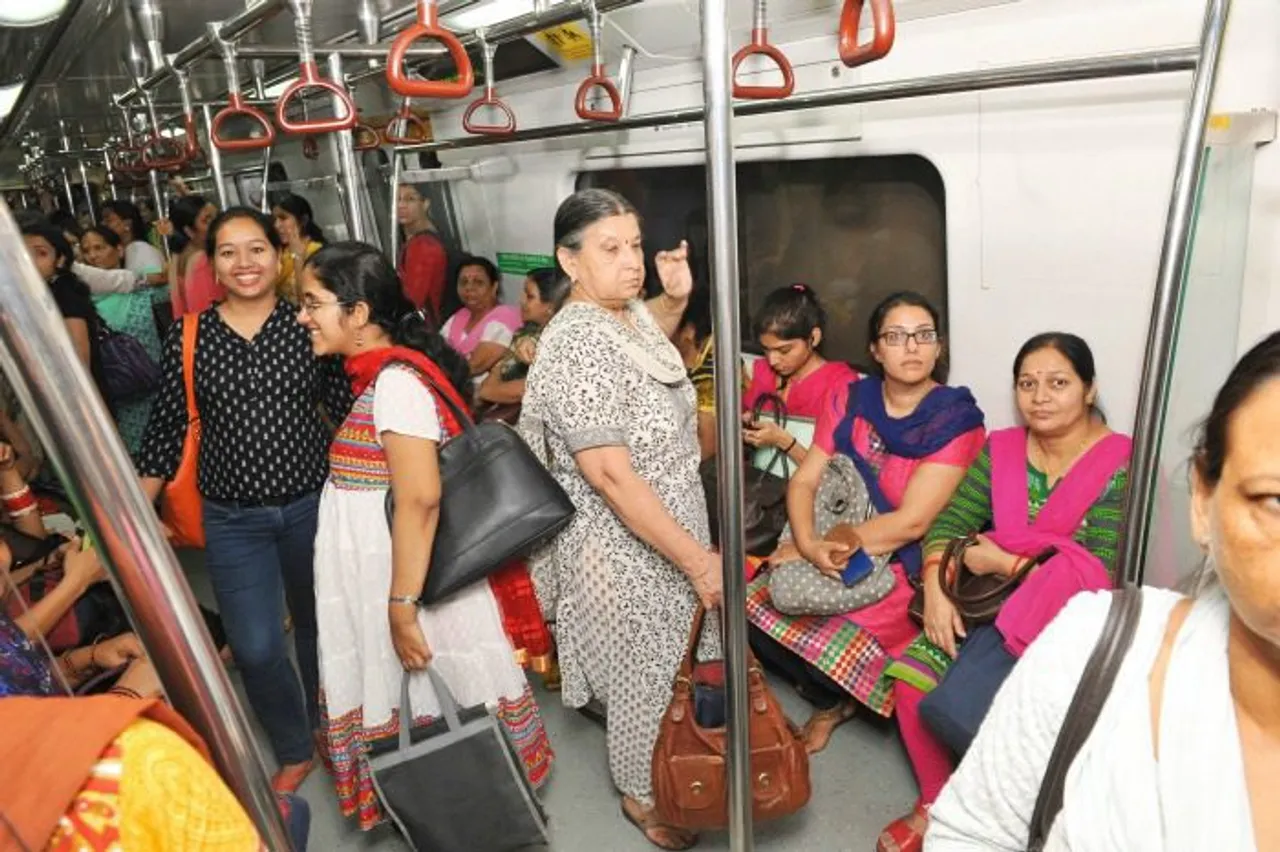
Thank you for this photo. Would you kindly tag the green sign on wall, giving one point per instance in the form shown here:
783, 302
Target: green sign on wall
512, 263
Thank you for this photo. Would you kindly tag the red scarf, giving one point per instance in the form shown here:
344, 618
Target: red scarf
366, 366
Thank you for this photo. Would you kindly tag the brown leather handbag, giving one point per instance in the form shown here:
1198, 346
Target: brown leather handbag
690, 763
977, 597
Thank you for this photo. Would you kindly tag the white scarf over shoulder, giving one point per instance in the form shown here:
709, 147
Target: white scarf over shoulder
1118, 797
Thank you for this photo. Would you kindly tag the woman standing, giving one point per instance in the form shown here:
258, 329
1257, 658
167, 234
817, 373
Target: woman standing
609, 403
424, 261
1057, 482
301, 236
53, 256
125, 313
1185, 754
193, 285
369, 579
263, 447
482, 329
910, 437
125, 220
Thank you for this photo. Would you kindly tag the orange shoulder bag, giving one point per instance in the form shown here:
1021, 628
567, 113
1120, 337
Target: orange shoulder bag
182, 508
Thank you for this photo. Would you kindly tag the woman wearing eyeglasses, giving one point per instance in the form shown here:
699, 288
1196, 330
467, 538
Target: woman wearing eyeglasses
1059, 481
910, 437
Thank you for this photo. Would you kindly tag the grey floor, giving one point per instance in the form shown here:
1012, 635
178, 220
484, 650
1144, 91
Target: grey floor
860, 783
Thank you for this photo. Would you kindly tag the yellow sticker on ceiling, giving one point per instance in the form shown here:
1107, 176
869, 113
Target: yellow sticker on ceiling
570, 42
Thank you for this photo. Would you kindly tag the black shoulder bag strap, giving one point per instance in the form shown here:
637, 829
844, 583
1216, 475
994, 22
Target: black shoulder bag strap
1086, 705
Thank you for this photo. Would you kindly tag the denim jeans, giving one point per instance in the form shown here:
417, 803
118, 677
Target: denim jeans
250, 552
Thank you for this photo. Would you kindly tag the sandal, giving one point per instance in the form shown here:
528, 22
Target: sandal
823, 723
907, 833
660, 835
289, 778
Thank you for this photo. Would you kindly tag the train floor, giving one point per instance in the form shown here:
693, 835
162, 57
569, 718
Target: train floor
860, 783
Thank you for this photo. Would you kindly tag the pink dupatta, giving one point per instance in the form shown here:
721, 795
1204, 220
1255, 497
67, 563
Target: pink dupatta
1074, 569
464, 342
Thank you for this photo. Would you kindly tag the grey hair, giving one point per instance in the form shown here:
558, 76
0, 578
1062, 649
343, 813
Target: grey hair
582, 210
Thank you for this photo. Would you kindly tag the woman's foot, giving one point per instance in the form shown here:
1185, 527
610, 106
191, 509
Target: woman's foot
905, 834
662, 836
289, 778
551, 680
823, 723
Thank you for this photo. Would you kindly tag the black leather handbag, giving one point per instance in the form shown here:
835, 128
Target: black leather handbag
497, 504
764, 491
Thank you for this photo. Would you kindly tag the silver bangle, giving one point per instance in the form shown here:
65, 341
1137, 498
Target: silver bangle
403, 599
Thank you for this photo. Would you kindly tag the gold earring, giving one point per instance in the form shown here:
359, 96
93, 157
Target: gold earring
360, 339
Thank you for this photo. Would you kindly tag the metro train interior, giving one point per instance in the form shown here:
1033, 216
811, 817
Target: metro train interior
1102, 169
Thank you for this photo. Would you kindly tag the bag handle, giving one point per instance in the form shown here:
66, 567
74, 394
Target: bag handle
464, 419
780, 417
1086, 705
448, 706
951, 585
190, 328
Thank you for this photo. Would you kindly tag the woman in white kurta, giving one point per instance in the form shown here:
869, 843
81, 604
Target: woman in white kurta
1185, 754
368, 578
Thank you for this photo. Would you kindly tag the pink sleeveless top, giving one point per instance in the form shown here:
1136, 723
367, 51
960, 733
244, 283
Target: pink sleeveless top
199, 290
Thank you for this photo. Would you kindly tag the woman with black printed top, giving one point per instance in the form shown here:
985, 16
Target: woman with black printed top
263, 460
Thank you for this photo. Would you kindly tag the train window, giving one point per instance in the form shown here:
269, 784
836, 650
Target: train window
855, 229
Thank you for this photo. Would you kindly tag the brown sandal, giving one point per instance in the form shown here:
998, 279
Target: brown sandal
663, 836
823, 723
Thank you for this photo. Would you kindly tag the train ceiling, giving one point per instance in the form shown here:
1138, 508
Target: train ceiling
83, 51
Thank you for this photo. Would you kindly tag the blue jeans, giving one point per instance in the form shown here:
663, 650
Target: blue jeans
250, 551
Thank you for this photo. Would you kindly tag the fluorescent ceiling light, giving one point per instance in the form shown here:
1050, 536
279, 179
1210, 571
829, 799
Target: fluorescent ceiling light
277, 90
9, 97
29, 13
489, 12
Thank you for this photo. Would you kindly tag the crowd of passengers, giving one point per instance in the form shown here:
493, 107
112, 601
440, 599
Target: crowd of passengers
322, 382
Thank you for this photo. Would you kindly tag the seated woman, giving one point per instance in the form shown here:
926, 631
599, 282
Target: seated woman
482, 328
502, 389
1185, 750
1059, 481
499, 398
125, 313
368, 578
790, 325
301, 237
911, 437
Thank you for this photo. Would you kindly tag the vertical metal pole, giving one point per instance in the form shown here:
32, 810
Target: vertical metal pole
348, 169
74, 426
68, 192
111, 176
88, 192
722, 210
397, 166
626, 77
215, 159
157, 201
1175, 257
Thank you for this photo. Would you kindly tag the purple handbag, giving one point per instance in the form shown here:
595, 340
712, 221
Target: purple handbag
128, 372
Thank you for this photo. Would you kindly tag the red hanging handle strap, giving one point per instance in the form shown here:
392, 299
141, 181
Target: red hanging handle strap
428, 28
364, 137
309, 78
490, 100
237, 106
760, 46
884, 29
598, 78
405, 128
